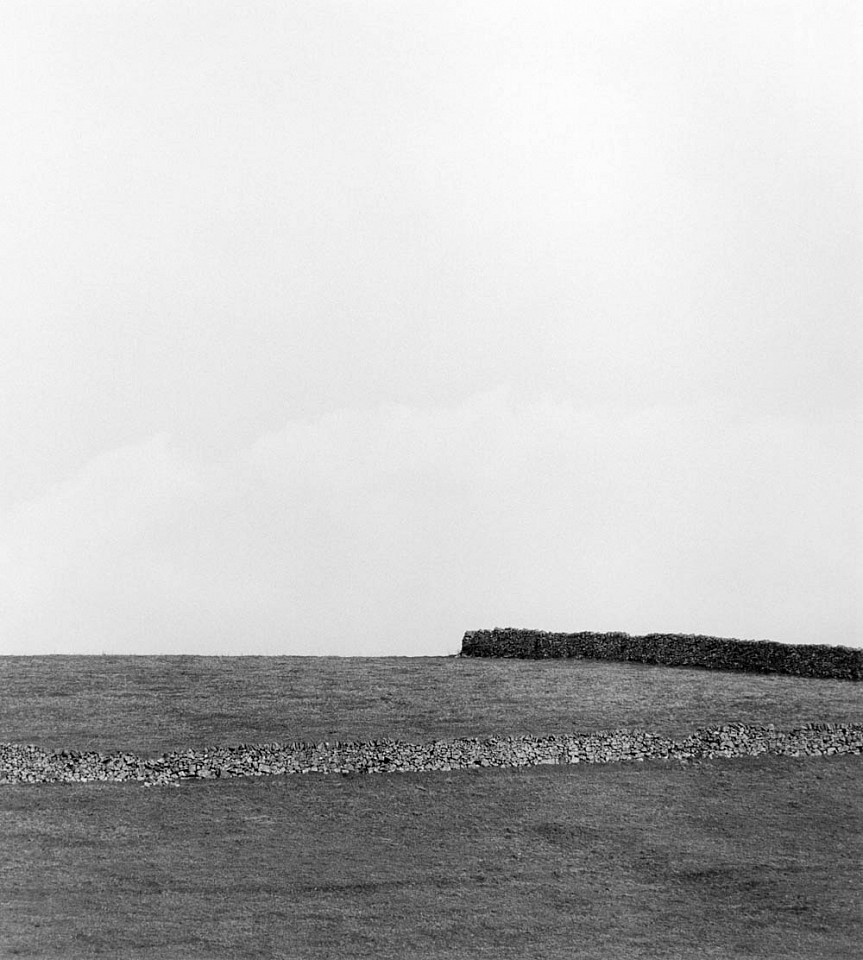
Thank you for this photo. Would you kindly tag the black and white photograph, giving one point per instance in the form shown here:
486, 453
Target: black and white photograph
431, 479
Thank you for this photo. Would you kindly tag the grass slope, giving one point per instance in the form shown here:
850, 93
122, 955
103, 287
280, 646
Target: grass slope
152, 705
756, 858
742, 858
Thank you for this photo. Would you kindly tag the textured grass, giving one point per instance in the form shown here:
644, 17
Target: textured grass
151, 705
756, 858
741, 858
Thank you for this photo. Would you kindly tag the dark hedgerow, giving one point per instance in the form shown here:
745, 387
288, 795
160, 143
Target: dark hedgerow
671, 650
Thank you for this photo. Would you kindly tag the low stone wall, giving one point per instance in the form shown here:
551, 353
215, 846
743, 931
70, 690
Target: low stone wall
671, 650
21, 764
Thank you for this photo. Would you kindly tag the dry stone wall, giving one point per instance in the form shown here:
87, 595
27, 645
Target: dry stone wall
23, 764
671, 650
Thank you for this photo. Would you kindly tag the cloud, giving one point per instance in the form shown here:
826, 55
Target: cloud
392, 530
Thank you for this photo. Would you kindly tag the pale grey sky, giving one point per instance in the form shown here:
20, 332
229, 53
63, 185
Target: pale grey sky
344, 327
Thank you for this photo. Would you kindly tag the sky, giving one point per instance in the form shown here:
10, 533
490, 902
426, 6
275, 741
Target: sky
345, 327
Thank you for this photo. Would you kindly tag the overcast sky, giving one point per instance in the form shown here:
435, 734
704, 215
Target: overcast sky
344, 327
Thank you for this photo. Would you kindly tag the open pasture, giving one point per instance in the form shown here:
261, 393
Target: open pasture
152, 705
741, 858
749, 858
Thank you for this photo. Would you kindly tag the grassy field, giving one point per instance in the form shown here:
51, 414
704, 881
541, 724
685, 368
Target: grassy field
750, 858
152, 705
743, 858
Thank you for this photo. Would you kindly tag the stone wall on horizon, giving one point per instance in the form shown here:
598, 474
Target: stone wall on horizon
670, 650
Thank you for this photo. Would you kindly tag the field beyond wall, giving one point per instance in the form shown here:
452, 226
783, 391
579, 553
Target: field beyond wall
153, 705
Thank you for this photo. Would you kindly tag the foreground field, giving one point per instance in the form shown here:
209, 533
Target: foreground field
737, 858
152, 705
749, 858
